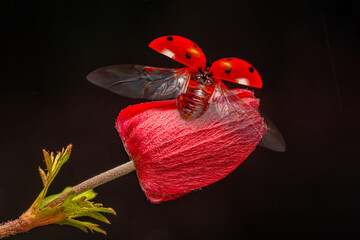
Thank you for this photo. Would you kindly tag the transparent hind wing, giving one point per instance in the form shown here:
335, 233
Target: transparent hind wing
272, 139
138, 81
230, 106
165, 84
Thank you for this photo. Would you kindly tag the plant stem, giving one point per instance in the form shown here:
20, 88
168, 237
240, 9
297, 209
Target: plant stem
12, 228
96, 181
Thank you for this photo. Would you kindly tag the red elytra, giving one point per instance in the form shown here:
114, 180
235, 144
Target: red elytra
187, 52
236, 70
180, 49
174, 157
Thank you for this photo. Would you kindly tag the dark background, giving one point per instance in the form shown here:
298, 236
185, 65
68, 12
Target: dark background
309, 192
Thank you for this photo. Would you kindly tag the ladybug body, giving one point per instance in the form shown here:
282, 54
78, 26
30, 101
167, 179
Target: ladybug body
195, 101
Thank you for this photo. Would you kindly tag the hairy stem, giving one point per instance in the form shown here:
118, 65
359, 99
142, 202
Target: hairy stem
12, 228
96, 181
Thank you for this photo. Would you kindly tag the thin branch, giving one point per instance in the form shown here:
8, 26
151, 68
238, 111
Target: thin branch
96, 181
13, 227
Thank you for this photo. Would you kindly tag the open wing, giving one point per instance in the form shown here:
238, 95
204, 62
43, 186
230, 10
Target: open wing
231, 105
138, 81
227, 103
272, 139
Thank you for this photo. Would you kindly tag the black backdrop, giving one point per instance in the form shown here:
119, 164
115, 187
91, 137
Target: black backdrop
311, 191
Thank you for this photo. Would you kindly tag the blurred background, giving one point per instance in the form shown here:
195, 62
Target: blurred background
307, 53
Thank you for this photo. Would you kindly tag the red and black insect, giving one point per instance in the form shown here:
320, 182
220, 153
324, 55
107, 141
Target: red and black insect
196, 88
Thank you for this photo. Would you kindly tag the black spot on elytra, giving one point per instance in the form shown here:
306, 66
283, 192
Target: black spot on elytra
195, 46
228, 70
211, 74
188, 55
169, 38
251, 69
229, 59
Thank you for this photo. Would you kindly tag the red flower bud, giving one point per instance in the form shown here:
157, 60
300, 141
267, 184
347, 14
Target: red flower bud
173, 156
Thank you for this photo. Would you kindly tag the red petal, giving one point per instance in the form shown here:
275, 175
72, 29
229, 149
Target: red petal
173, 157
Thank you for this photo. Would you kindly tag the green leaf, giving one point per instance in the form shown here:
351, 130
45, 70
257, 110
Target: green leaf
65, 212
60, 159
48, 199
43, 176
82, 225
90, 194
48, 160
68, 198
104, 210
74, 223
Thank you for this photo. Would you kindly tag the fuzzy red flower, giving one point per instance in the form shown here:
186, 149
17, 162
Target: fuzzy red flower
173, 156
